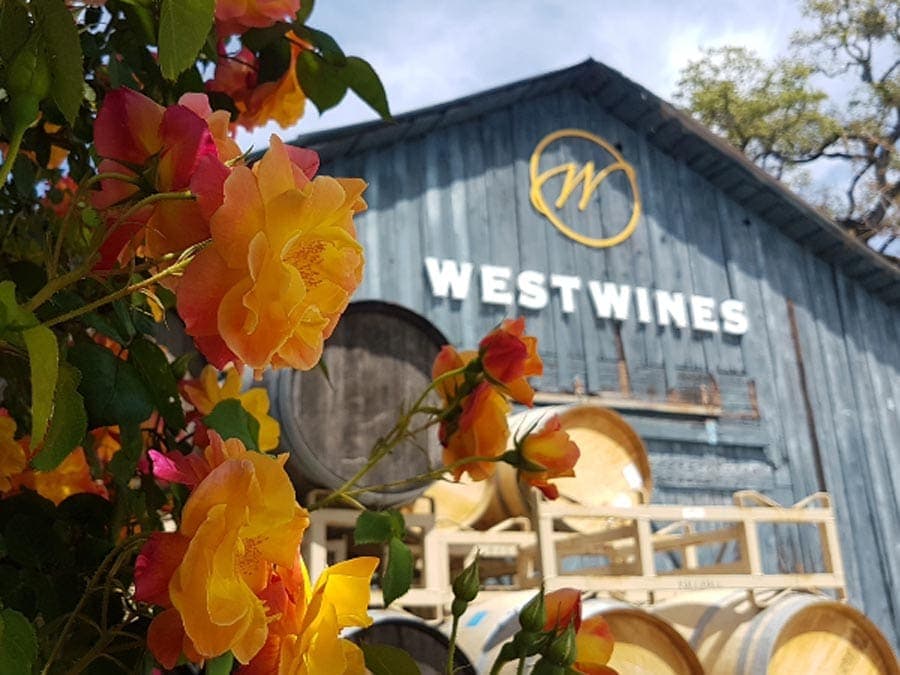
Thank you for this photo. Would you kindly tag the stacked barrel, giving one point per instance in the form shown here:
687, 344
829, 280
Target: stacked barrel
379, 358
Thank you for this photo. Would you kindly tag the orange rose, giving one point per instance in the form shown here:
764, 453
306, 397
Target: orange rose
12, 455
236, 16
240, 521
549, 453
71, 477
184, 147
509, 357
280, 100
593, 637
594, 646
480, 430
283, 263
563, 608
449, 359
206, 392
304, 637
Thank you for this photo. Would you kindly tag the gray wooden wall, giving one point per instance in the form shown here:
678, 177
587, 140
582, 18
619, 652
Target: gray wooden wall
809, 395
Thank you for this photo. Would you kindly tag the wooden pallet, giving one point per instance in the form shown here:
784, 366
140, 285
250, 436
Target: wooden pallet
624, 548
628, 550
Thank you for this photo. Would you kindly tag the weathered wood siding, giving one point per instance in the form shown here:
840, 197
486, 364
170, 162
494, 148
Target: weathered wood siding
808, 396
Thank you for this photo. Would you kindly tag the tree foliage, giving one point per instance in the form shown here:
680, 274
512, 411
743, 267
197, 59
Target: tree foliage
780, 114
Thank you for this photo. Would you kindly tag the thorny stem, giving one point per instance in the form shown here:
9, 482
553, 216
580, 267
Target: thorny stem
429, 475
120, 550
57, 248
186, 258
55, 285
451, 647
14, 143
385, 445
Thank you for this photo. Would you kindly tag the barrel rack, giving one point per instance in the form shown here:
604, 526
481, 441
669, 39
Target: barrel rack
616, 549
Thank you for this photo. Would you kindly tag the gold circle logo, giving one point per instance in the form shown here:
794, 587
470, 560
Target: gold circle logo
589, 179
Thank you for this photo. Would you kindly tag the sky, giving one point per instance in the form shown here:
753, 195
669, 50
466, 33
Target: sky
429, 52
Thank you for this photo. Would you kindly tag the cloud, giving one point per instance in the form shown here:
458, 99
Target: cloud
428, 53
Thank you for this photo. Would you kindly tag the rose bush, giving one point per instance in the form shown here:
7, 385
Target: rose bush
169, 531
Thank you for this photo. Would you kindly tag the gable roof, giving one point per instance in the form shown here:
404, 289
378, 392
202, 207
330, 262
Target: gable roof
666, 127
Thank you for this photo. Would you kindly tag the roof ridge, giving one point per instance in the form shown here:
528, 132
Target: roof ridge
649, 115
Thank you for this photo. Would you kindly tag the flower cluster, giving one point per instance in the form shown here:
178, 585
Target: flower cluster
241, 74
231, 578
476, 388
275, 231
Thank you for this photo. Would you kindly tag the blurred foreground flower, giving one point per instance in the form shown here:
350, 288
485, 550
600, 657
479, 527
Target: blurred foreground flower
241, 520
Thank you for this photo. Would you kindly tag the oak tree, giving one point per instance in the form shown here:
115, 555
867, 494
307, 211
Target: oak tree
836, 98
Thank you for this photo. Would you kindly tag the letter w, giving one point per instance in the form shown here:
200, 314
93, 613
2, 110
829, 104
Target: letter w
449, 278
610, 300
584, 176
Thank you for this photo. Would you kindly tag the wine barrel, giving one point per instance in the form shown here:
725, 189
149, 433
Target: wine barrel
461, 505
644, 643
428, 646
799, 633
377, 360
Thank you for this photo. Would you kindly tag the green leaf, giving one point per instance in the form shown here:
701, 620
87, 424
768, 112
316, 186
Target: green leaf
398, 572
373, 527
183, 27
182, 364
13, 319
398, 524
274, 61
69, 422
324, 43
125, 461
221, 665
306, 8
388, 660
256, 39
113, 390
103, 325
63, 47
43, 357
231, 420
320, 81
15, 27
18, 643
365, 83
154, 370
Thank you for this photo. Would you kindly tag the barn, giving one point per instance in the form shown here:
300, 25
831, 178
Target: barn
749, 340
